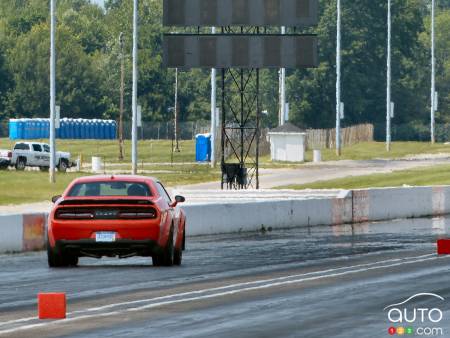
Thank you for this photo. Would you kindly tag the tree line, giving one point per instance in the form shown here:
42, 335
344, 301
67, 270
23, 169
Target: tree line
88, 64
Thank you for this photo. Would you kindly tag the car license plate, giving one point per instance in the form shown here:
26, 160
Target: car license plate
105, 236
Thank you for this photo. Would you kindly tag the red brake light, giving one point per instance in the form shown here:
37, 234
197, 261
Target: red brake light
9, 154
74, 215
138, 215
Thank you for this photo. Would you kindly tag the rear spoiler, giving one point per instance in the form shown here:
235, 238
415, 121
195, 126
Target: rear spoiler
108, 201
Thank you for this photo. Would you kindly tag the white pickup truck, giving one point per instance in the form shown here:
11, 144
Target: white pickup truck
33, 154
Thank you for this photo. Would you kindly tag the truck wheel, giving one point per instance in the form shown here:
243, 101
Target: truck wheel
62, 167
21, 163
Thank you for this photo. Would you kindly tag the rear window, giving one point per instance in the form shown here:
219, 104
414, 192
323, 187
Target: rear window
21, 146
116, 188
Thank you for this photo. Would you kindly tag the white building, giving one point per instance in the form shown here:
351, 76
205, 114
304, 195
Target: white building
287, 143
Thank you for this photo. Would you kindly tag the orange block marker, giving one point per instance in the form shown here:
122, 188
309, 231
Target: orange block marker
52, 305
443, 247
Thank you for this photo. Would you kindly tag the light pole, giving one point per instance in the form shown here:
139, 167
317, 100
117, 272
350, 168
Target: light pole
52, 90
134, 95
338, 79
433, 73
213, 112
283, 89
175, 126
122, 88
388, 87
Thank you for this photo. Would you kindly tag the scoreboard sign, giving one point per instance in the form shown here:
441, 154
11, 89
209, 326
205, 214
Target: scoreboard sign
239, 51
292, 13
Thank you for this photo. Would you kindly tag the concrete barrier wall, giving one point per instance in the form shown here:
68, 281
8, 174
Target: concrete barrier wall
235, 217
22, 232
27, 232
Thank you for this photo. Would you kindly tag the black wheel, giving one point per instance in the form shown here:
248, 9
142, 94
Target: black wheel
57, 260
62, 167
177, 256
21, 163
178, 253
43, 168
71, 260
54, 260
166, 257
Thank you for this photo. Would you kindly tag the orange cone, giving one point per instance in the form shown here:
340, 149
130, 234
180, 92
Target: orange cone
443, 247
52, 305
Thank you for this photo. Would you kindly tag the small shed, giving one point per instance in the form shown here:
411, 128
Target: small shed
287, 143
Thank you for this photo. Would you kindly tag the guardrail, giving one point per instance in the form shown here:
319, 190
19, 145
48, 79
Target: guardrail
27, 232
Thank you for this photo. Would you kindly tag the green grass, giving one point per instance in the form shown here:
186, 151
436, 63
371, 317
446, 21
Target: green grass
33, 186
436, 175
159, 151
367, 151
148, 151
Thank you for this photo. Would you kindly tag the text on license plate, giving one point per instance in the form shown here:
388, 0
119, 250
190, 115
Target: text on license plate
105, 236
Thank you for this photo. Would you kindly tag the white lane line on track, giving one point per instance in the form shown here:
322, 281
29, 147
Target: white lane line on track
219, 294
109, 306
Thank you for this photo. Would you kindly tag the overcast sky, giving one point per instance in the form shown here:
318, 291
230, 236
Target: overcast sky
100, 2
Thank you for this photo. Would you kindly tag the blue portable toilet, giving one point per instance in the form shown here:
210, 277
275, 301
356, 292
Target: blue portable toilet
90, 129
62, 128
113, 130
102, 129
96, 135
108, 129
33, 129
20, 128
26, 129
69, 126
13, 129
83, 130
202, 147
41, 128
77, 128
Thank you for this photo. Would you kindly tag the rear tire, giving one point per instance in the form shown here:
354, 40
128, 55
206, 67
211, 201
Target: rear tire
62, 167
58, 260
20, 164
177, 257
54, 260
166, 257
178, 253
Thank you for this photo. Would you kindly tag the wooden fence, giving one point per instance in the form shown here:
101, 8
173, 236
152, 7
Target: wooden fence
326, 138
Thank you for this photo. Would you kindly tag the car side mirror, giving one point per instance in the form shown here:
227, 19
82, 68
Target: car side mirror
178, 199
55, 198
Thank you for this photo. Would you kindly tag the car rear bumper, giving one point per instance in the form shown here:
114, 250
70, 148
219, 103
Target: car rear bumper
120, 247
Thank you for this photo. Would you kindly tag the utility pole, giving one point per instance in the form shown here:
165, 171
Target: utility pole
283, 89
175, 109
213, 112
388, 87
134, 154
338, 79
433, 72
52, 90
122, 88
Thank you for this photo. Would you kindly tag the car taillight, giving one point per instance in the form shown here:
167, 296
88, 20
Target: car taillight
74, 215
137, 215
9, 154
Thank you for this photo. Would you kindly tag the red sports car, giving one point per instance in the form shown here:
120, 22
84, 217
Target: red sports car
111, 216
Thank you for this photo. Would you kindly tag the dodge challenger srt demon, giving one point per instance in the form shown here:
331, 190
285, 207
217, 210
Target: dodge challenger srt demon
119, 215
